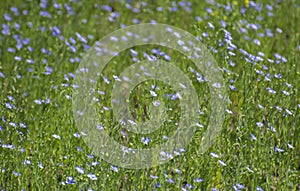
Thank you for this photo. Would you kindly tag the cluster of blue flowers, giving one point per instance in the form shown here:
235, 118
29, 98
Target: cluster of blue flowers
36, 58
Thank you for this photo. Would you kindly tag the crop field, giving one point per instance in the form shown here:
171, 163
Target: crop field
235, 129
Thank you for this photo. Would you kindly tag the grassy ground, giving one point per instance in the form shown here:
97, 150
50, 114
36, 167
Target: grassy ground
258, 149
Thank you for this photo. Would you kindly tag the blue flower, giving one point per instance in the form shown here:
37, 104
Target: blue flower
92, 176
159, 8
45, 14
25, 12
167, 57
253, 137
56, 6
43, 4
15, 10
114, 168
2, 75
259, 124
55, 31
135, 21
70, 180
146, 140
79, 169
133, 52
214, 155
81, 38
7, 17
106, 8
277, 149
136, 10
222, 163
16, 173
5, 30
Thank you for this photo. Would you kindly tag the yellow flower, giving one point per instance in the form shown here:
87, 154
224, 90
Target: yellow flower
247, 3
217, 179
235, 2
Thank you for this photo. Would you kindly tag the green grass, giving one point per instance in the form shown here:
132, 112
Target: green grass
251, 163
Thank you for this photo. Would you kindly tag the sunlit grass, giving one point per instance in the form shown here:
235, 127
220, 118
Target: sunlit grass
40, 50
